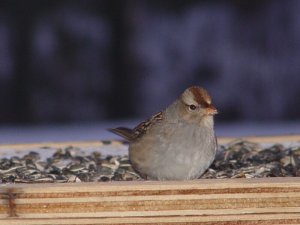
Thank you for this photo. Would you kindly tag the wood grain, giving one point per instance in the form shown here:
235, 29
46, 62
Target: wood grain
235, 201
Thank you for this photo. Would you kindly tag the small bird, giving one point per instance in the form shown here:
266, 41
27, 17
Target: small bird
177, 143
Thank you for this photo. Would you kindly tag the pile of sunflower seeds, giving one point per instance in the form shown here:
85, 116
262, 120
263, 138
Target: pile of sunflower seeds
239, 159
66, 165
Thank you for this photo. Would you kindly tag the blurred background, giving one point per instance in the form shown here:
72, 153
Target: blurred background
69, 69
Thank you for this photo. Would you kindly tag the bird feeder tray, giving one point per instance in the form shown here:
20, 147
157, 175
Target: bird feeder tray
268, 200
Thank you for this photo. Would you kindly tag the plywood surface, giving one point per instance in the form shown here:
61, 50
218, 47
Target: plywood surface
240, 201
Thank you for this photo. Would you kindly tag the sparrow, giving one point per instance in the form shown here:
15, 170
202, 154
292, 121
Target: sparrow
177, 143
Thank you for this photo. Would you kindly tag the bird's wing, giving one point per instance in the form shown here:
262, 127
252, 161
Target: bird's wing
124, 132
145, 125
135, 133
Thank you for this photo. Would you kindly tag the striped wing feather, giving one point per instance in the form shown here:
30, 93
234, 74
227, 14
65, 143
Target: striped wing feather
139, 130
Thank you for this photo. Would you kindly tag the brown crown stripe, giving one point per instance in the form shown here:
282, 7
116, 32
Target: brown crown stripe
18, 192
201, 96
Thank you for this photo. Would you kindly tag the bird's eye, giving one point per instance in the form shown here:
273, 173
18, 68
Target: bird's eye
192, 107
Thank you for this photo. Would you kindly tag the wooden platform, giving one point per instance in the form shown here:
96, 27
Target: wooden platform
229, 201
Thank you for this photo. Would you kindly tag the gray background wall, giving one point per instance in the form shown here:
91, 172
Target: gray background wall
76, 61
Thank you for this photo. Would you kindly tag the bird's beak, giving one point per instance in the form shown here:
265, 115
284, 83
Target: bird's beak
211, 110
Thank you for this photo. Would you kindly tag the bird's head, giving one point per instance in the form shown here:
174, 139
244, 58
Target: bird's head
195, 105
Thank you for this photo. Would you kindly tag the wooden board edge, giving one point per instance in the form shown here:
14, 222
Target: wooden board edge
148, 185
221, 140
